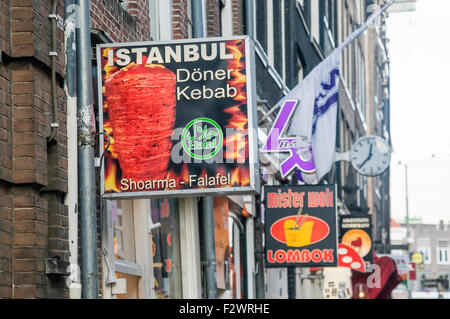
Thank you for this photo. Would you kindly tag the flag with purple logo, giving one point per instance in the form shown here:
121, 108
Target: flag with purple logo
312, 107
314, 121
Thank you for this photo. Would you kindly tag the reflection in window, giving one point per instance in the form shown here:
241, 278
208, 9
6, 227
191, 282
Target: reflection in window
166, 249
123, 226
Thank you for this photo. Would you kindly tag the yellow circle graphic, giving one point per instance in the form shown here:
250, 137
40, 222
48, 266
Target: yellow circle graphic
359, 240
417, 258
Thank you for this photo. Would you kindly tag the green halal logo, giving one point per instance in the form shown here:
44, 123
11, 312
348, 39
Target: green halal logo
202, 138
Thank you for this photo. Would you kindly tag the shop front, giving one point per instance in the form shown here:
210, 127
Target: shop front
144, 255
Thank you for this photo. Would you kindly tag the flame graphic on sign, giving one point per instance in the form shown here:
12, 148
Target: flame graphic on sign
236, 144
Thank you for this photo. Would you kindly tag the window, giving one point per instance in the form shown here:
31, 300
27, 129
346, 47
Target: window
443, 252
315, 24
360, 74
130, 235
166, 249
300, 69
330, 13
278, 21
123, 231
261, 23
270, 32
423, 246
189, 18
226, 18
120, 217
160, 19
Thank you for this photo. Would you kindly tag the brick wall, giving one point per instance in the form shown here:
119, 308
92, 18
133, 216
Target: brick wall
238, 17
213, 18
123, 22
180, 25
33, 173
6, 260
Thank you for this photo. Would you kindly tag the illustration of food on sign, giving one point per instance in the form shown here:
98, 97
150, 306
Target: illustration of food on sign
299, 232
141, 107
298, 236
359, 240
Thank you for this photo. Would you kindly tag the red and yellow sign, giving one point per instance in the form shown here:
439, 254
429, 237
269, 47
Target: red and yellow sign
312, 231
300, 226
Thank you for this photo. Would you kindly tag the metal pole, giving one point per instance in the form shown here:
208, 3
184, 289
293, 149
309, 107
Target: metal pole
175, 275
197, 19
208, 253
407, 202
70, 87
407, 219
259, 255
249, 8
208, 248
86, 170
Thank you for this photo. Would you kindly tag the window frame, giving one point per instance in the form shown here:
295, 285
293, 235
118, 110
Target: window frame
443, 250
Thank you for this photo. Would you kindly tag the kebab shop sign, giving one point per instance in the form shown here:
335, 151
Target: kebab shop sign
180, 116
300, 226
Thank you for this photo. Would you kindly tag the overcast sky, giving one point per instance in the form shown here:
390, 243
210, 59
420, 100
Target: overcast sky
419, 49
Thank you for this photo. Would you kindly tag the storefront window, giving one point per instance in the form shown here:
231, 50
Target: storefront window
166, 249
123, 246
123, 232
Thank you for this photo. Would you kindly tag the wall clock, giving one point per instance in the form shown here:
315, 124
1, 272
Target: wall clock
370, 155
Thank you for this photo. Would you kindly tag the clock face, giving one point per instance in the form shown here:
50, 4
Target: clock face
370, 156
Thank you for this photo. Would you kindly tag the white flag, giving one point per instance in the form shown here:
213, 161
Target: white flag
314, 121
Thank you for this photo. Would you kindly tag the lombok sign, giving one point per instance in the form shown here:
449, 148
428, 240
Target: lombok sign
300, 226
181, 118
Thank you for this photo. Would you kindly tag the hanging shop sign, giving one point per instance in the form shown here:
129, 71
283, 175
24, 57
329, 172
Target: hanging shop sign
300, 226
356, 232
180, 116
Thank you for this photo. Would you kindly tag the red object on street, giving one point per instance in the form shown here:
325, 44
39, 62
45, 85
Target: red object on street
388, 281
412, 271
141, 102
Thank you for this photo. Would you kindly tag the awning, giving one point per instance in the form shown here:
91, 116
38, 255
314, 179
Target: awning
389, 278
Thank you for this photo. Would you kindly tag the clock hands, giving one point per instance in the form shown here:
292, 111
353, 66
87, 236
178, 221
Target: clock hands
368, 158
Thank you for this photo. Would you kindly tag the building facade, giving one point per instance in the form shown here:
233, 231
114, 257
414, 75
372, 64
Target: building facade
433, 243
154, 248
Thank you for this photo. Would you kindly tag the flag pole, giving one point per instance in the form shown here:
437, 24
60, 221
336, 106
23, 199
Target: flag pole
364, 27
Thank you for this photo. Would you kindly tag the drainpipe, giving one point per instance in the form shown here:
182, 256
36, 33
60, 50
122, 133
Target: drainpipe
250, 25
70, 88
86, 170
197, 19
53, 55
208, 253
